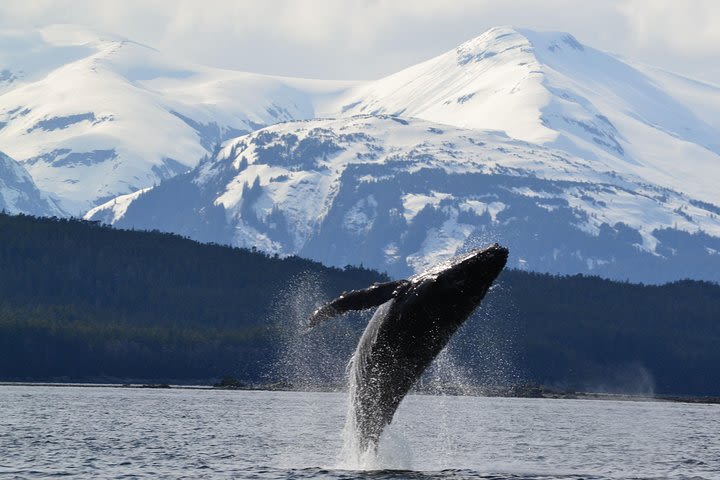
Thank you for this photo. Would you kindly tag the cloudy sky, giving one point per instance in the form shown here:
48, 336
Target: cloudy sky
366, 39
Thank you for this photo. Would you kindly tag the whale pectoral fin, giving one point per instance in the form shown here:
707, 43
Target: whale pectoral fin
373, 296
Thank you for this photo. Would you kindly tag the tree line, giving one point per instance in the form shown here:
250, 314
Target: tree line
83, 302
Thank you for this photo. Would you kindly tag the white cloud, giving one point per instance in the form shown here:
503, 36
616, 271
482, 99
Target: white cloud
364, 39
688, 27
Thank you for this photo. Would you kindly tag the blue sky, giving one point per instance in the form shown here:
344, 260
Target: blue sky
366, 39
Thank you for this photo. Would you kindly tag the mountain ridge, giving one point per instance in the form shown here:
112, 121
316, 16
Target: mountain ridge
576, 158
81, 127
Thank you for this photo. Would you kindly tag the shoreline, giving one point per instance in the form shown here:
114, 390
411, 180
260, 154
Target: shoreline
521, 392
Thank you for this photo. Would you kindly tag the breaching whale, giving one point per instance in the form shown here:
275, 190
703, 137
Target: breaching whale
415, 320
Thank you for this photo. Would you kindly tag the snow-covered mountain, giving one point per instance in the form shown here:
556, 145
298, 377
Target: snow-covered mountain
578, 160
400, 194
19, 194
92, 116
549, 89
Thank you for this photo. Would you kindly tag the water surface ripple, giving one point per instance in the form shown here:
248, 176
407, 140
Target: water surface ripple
148, 433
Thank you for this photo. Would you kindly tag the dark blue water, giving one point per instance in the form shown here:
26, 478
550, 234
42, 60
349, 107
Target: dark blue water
142, 433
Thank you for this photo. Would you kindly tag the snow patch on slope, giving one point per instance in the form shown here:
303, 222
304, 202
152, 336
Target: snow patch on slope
114, 210
19, 194
440, 244
413, 203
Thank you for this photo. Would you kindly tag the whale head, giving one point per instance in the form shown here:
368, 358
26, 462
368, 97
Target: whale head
471, 273
458, 285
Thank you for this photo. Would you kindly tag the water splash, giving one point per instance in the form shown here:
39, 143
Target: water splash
392, 452
309, 361
477, 357
353, 455
479, 354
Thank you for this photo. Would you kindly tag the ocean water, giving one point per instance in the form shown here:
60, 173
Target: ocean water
149, 433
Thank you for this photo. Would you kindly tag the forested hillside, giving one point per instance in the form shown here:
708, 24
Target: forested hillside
593, 334
83, 302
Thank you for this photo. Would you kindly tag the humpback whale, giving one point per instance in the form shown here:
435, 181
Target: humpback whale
415, 320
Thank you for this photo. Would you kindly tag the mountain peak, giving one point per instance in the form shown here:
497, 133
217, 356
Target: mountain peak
504, 39
492, 42
555, 42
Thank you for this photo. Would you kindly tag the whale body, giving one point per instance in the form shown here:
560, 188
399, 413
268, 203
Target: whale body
415, 319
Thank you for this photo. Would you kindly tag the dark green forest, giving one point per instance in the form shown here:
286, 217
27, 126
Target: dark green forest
84, 302
79, 301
